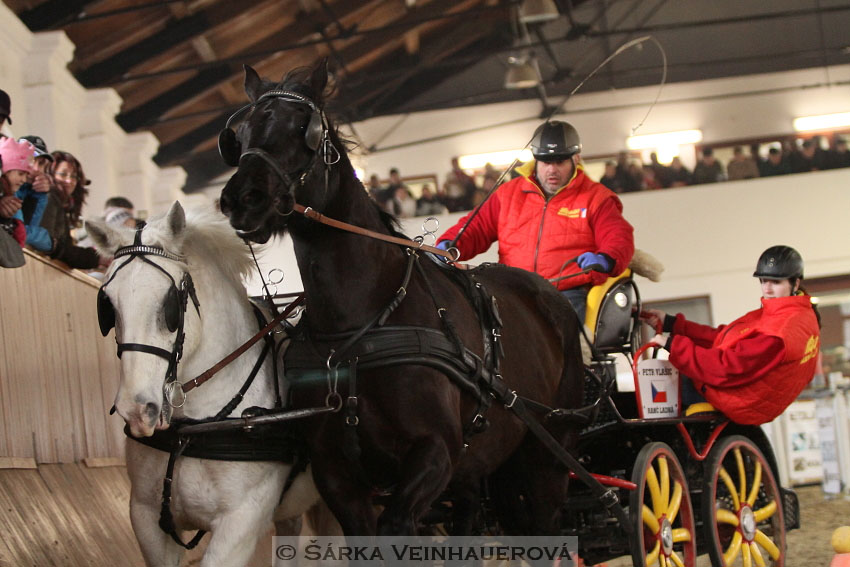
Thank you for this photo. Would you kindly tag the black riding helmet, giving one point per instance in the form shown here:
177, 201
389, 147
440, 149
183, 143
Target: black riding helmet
779, 263
555, 140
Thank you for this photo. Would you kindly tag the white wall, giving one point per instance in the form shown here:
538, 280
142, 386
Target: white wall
708, 237
724, 109
47, 101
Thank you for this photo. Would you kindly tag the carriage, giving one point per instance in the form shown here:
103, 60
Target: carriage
436, 388
689, 483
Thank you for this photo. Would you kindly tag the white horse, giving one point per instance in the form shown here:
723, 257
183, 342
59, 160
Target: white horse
234, 501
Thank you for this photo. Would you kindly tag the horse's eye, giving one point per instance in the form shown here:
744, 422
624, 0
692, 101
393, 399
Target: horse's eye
251, 198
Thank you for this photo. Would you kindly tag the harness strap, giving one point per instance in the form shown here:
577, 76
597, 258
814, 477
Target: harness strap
166, 520
161, 352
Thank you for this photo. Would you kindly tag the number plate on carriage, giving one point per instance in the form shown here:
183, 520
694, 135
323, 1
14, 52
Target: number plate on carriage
657, 387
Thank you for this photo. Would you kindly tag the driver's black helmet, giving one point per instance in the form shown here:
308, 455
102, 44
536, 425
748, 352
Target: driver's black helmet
779, 263
555, 140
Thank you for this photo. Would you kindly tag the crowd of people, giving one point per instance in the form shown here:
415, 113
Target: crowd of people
41, 201
459, 192
624, 175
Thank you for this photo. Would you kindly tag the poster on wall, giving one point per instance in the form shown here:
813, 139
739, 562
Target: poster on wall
828, 445
802, 443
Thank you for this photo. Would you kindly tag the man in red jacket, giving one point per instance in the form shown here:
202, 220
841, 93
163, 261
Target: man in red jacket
754, 367
552, 220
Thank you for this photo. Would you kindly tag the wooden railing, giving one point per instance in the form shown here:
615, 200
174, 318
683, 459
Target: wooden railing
58, 376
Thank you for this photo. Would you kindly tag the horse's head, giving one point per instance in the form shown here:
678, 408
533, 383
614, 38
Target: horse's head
282, 148
144, 296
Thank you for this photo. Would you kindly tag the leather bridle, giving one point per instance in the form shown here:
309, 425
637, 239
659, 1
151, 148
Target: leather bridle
183, 292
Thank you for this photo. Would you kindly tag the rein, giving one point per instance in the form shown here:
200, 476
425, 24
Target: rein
203, 377
312, 214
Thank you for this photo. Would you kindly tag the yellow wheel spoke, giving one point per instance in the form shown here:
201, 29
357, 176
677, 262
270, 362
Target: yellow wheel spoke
766, 512
654, 491
730, 486
742, 474
726, 517
663, 560
754, 491
734, 548
665, 483
675, 502
652, 556
674, 557
757, 555
649, 520
681, 534
768, 545
748, 559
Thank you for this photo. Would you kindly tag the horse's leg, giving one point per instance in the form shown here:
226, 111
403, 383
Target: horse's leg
349, 499
425, 473
158, 549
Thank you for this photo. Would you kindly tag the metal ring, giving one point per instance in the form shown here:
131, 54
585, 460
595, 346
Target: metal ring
328, 361
168, 390
277, 210
333, 396
352, 420
425, 228
272, 271
456, 254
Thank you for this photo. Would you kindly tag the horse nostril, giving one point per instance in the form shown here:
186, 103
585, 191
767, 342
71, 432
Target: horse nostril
151, 410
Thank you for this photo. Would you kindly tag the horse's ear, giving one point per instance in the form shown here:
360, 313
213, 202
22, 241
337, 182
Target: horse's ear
176, 219
106, 238
252, 83
319, 79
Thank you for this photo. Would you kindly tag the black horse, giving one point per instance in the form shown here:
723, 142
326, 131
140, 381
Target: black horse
413, 429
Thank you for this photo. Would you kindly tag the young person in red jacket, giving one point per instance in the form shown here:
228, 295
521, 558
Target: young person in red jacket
552, 219
754, 367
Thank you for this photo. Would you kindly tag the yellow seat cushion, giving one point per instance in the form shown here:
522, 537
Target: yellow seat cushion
699, 407
594, 301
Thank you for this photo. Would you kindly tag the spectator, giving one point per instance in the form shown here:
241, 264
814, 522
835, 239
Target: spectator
387, 194
649, 179
708, 169
374, 187
491, 176
629, 181
17, 167
5, 108
775, 164
634, 177
756, 156
803, 160
403, 203
839, 156
741, 166
34, 202
428, 203
679, 174
662, 176
118, 211
63, 212
611, 179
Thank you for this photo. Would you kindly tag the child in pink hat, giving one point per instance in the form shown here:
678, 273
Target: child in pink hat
18, 170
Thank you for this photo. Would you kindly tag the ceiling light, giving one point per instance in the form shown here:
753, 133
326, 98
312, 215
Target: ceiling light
651, 141
522, 74
478, 161
822, 122
538, 11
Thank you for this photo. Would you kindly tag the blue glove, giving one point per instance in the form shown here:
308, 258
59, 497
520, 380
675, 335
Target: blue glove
597, 262
444, 245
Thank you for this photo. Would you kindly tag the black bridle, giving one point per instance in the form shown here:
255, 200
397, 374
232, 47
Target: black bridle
317, 139
176, 301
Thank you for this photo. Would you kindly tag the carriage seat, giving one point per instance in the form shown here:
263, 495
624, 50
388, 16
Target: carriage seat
610, 316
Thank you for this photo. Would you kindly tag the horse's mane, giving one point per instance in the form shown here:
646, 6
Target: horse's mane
208, 238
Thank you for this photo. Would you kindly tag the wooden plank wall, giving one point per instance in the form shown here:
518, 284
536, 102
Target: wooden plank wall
58, 376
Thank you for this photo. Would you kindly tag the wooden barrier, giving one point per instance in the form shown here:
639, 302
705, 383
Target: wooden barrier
58, 376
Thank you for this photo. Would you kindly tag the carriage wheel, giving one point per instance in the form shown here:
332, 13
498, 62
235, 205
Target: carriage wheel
660, 511
742, 507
